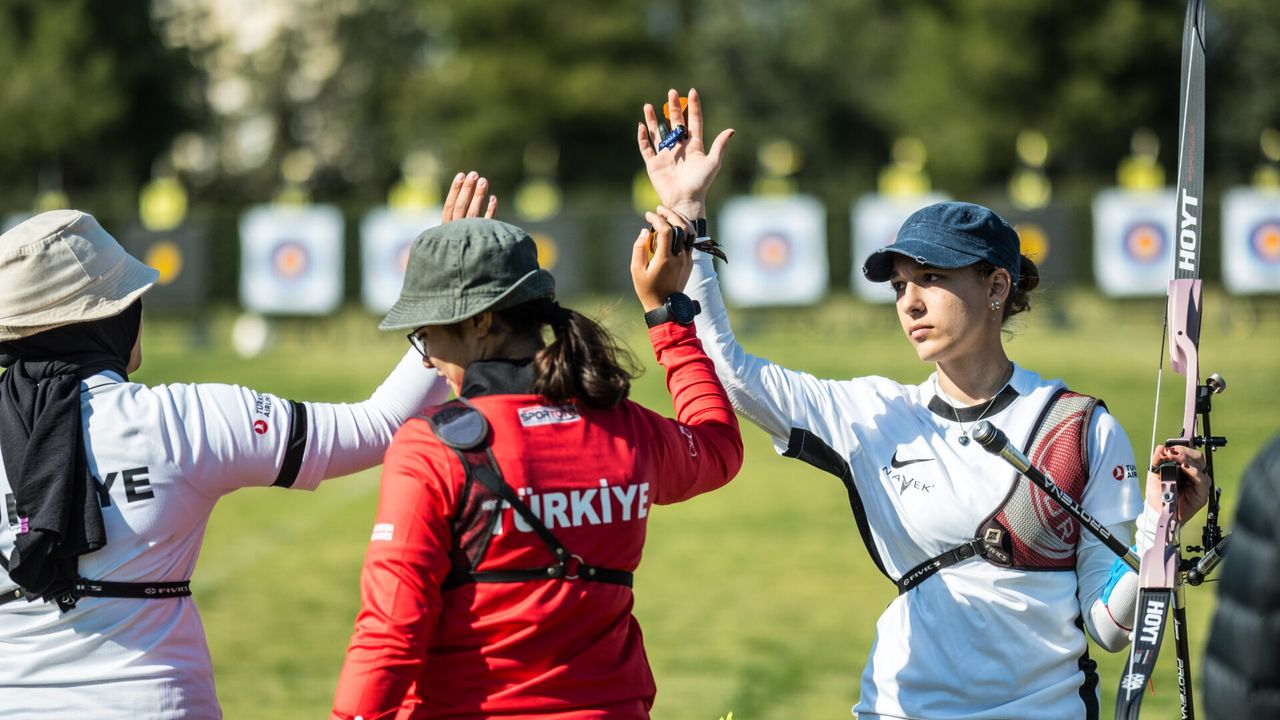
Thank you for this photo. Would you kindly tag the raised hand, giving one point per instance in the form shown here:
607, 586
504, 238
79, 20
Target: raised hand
656, 278
683, 174
466, 198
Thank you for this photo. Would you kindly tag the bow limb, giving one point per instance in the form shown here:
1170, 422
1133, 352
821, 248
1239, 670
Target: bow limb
1160, 575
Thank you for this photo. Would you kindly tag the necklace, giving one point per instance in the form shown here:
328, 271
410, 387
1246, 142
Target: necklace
964, 431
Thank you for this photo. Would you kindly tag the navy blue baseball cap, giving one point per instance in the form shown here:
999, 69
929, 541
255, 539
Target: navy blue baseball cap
950, 235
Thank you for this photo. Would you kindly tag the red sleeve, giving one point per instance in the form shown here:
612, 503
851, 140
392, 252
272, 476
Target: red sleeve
701, 449
404, 568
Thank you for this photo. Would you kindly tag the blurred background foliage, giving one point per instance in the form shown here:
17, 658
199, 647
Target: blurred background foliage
342, 97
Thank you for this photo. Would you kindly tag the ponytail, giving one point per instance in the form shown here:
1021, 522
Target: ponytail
583, 362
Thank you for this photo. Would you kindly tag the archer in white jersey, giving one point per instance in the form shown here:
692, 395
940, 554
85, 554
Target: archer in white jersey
106, 485
998, 586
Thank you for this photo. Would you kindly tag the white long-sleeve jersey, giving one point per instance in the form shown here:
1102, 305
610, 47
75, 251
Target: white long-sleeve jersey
162, 457
976, 640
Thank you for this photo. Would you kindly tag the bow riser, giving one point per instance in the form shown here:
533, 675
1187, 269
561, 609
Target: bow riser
1184, 311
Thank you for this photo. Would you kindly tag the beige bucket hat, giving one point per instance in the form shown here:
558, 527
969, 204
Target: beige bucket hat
60, 268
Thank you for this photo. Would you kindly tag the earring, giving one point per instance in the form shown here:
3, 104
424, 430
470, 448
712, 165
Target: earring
995, 304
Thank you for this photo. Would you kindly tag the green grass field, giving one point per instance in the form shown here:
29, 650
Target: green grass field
757, 599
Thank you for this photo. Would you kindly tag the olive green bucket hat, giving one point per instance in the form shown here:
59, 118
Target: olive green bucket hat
464, 268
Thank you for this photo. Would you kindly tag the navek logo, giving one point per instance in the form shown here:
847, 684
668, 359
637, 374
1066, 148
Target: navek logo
901, 479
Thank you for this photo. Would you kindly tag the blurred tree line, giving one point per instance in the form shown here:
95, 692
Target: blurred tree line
239, 97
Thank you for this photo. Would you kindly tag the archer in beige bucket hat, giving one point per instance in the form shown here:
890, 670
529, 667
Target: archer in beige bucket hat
60, 268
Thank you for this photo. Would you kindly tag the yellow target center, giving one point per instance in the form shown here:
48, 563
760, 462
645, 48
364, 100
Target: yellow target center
548, 250
1035, 241
166, 257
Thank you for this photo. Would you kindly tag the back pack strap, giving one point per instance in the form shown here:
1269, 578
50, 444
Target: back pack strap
464, 429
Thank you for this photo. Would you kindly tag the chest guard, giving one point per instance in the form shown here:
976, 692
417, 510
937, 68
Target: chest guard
464, 430
1030, 531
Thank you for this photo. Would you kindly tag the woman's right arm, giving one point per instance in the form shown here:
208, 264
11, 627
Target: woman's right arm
234, 437
225, 437
702, 449
767, 394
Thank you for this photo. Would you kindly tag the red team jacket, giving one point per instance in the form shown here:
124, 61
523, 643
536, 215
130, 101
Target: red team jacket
556, 648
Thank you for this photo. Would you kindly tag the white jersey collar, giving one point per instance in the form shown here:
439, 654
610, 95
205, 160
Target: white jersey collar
1021, 383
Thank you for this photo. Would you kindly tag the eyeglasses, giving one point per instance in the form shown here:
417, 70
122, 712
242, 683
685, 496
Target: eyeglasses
417, 342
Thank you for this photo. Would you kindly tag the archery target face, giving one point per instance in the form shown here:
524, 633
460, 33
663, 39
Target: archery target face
1133, 240
386, 239
290, 260
1145, 243
1251, 240
1264, 241
773, 252
179, 256
777, 250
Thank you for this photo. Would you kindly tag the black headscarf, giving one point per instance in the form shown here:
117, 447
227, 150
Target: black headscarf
59, 518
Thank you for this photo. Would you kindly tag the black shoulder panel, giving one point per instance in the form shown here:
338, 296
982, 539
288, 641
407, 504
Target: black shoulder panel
459, 425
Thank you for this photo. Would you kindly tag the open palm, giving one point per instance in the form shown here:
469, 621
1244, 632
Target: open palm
681, 175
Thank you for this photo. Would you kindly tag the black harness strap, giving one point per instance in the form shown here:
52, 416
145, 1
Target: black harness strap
930, 567
104, 588
569, 565
140, 590
463, 429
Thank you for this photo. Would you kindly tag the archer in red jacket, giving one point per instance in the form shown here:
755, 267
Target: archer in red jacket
498, 577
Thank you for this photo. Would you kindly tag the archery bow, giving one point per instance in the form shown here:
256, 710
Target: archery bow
1164, 571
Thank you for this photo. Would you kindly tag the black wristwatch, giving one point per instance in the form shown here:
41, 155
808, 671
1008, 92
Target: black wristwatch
700, 228
678, 308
